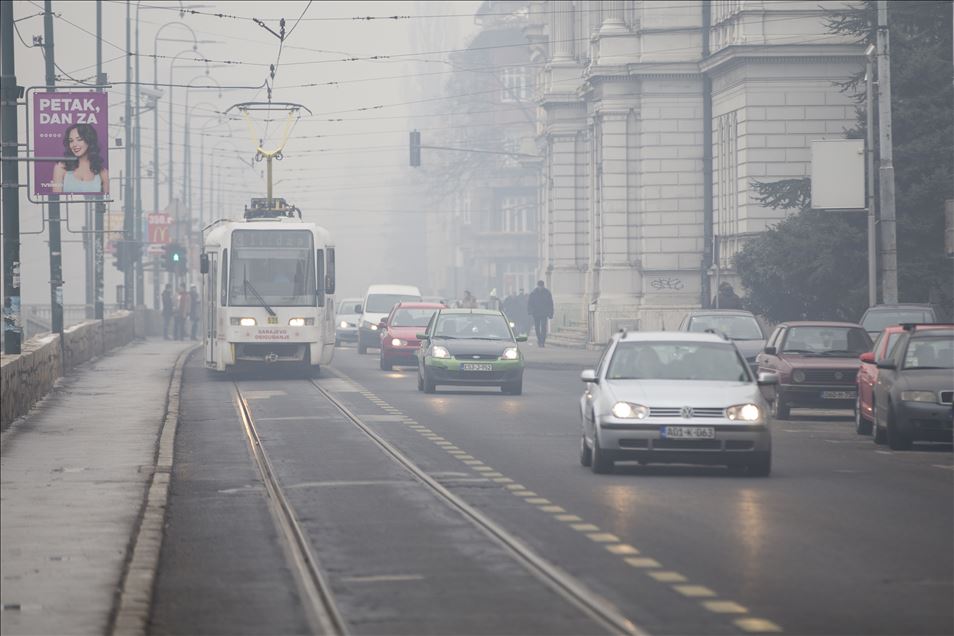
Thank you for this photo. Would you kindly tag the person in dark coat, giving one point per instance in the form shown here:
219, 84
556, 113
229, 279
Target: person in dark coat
168, 309
540, 308
726, 298
523, 317
182, 312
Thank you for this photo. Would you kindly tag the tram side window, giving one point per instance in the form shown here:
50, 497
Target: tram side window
320, 259
330, 272
225, 278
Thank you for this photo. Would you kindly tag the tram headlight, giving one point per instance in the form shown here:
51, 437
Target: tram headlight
301, 322
243, 322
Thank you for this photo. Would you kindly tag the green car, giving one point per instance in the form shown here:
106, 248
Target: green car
470, 347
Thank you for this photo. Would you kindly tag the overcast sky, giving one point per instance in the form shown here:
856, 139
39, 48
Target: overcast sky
343, 174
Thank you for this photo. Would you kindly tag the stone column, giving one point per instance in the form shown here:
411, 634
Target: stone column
563, 44
613, 17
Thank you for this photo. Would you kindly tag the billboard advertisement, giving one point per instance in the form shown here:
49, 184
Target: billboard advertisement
73, 126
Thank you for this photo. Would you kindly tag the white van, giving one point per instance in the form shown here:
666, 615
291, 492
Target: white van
378, 302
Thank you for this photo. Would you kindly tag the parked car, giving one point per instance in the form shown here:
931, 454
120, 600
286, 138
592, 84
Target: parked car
913, 395
878, 317
738, 325
399, 343
675, 397
475, 347
868, 375
378, 301
817, 364
348, 313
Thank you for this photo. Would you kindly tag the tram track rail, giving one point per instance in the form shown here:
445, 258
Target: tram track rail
317, 598
565, 585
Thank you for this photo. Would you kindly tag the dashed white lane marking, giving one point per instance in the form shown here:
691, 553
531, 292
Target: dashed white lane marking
622, 548
724, 607
568, 518
666, 576
756, 625
693, 591
585, 527
383, 578
603, 537
642, 562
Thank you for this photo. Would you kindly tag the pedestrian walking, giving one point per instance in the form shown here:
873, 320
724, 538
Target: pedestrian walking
540, 307
726, 298
168, 309
194, 311
182, 312
469, 301
509, 307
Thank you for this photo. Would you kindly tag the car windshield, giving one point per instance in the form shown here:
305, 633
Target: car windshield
409, 317
878, 320
382, 303
477, 326
346, 307
677, 361
735, 327
929, 353
827, 341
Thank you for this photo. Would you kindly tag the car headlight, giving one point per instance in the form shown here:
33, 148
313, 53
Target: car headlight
397, 342
510, 353
744, 413
799, 376
243, 322
438, 351
369, 325
301, 322
343, 324
628, 411
918, 396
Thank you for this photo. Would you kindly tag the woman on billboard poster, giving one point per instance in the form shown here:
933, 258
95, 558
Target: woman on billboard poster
82, 170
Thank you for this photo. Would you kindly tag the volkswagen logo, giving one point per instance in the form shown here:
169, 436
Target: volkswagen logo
839, 375
686, 412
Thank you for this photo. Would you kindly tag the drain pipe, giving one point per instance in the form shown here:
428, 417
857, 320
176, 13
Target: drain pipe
707, 212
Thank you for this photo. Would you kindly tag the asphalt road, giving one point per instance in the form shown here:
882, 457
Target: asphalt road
843, 538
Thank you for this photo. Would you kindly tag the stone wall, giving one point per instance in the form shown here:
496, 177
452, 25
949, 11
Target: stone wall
27, 377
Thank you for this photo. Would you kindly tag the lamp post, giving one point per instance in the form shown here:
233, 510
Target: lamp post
186, 154
869, 144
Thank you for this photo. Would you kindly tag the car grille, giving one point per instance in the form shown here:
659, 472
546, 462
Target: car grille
830, 376
476, 356
701, 412
947, 397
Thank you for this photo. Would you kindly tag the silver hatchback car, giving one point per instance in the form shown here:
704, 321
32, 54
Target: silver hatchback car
675, 397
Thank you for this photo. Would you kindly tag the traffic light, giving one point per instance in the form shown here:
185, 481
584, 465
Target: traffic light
122, 256
415, 148
175, 258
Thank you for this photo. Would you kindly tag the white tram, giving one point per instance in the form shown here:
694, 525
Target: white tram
268, 290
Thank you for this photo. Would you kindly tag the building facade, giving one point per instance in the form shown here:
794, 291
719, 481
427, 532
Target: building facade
654, 119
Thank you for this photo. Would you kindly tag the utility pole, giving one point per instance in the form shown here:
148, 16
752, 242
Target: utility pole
9, 93
56, 255
889, 248
100, 210
869, 156
128, 279
137, 171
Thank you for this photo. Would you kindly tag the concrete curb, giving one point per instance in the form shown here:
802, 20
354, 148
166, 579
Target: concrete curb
133, 600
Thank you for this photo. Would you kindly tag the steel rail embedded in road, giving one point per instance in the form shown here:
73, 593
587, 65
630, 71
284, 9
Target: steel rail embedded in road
590, 603
319, 603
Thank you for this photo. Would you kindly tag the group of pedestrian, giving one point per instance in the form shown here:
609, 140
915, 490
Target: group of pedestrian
536, 307
179, 310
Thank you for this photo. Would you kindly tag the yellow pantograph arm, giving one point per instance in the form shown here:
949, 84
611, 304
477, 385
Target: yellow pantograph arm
262, 151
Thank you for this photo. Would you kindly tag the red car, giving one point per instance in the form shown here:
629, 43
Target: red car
868, 375
399, 343
816, 362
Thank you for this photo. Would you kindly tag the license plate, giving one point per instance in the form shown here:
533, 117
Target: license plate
688, 432
273, 320
838, 395
476, 366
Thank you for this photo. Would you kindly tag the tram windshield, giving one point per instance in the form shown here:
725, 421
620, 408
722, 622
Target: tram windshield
274, 267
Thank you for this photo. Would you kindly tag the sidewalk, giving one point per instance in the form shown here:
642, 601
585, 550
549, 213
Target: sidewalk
553, 357
73, 476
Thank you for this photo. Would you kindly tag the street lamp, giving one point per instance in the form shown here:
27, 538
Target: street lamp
870, 54
186, 154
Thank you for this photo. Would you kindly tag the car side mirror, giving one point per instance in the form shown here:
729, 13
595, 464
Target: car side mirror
421, 336
521, 338
204, 264
589, 375
868, 357
357, 309
767, 379
770, 351
886, 364
383, 325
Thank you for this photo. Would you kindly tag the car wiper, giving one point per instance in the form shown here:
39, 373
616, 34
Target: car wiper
923, 368
249, 286
484, 338
839, 352
809, 351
